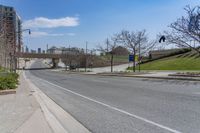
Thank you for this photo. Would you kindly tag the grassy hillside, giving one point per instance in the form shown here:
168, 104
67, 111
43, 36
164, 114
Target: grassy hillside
187, 61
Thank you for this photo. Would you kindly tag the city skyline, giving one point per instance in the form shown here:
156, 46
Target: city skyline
73, 22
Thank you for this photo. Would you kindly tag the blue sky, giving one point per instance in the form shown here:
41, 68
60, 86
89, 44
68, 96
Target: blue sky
73, 22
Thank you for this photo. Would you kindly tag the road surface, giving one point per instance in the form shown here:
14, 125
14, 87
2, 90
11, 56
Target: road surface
123, 105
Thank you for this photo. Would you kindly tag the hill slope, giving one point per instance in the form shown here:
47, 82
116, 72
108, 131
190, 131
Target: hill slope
187, 61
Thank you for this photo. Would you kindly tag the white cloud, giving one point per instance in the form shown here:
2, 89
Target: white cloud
36, 34
42, 22
71, 34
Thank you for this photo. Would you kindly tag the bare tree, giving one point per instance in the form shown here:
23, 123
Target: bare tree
73, 57
136, 42
185, 29
109, 50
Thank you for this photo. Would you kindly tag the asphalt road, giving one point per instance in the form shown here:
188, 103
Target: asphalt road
123, 105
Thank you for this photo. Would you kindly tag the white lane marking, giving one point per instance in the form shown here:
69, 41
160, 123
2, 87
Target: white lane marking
114, 108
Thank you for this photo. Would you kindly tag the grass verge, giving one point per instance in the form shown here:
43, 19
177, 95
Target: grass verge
185, 63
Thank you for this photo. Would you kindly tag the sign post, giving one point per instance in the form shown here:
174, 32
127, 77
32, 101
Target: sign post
132, 59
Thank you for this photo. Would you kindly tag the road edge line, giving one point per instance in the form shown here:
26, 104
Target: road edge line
59, 120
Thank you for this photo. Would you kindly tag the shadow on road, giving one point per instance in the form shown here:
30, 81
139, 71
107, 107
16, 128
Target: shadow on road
43, 68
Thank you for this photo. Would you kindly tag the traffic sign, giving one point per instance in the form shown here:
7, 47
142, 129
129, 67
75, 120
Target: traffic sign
131, 57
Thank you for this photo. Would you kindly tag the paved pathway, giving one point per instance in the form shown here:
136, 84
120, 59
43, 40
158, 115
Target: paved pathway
116, 68
20, 112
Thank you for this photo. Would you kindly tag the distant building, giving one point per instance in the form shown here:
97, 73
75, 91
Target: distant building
121, 51
27, 50
54, 50
10, 36
63, 50
33, 51
72, 50
39, 50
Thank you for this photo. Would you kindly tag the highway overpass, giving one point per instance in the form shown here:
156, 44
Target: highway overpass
55, 57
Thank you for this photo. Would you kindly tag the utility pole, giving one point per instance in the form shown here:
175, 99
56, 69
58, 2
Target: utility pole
107, 46
86, 56
139, 57
69, 56
134, 59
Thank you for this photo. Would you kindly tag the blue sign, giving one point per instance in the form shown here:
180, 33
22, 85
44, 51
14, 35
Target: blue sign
131, 57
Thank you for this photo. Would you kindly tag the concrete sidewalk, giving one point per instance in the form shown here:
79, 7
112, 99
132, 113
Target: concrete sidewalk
21, 113
153, 75
116, 68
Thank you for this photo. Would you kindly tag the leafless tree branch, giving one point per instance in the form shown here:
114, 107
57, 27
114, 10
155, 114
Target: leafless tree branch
111, 45
186, 29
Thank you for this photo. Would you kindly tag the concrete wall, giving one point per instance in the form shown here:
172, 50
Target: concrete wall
161, 53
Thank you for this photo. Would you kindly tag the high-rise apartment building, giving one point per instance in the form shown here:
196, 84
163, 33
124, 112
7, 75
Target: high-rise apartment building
10, 36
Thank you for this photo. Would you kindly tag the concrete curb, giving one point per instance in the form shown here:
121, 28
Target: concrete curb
6, 92
59, 120
183, 75
170, 77
151, 77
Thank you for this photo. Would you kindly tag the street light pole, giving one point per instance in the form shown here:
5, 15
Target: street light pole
134, 59
19, 52
139, 57
86, 56
47, 48
69, 58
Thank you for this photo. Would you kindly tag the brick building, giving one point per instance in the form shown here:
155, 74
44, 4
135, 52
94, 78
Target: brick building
10, 37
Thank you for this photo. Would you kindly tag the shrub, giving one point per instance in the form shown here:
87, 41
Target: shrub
1, 69
9, 81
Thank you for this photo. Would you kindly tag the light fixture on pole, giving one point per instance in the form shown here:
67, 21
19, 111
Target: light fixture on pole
15, 57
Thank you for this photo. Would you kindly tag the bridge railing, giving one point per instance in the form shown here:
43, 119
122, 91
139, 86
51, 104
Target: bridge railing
39, 55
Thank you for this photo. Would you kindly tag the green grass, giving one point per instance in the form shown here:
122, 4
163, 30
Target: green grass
172, 63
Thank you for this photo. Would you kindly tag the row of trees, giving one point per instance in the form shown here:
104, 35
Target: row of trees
78, 58
181, 33
136, 42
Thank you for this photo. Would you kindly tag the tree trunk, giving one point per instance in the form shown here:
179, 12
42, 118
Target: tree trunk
70, 63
